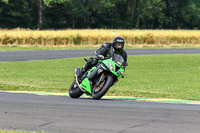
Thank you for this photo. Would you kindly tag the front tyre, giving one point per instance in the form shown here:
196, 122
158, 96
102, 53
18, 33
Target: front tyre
74, 91
106, 84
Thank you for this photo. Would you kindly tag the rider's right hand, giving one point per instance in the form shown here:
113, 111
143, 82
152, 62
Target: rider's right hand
101, 57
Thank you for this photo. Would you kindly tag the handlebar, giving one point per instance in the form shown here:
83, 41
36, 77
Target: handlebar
102, 59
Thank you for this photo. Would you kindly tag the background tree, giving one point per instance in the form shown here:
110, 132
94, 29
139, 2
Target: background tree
115, 14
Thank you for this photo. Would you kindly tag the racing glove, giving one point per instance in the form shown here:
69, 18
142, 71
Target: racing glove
101, 57
123, 75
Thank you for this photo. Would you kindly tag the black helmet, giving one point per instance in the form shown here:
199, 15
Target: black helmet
117, 41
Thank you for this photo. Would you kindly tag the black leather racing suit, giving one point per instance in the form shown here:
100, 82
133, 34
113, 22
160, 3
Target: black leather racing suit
104, 50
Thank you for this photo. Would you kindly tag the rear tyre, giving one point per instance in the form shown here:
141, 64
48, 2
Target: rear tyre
74, 91
97, 94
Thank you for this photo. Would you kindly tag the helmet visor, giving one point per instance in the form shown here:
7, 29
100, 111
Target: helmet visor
119, 45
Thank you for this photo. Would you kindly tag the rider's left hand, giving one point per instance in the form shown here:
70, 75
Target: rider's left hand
123, 75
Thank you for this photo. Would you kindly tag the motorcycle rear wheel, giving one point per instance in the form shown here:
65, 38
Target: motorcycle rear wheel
102, 91
74, 91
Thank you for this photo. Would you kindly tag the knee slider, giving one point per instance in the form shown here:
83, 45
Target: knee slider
94, 62
90, 60
88, 64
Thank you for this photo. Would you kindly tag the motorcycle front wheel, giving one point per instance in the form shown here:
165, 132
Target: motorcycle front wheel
101, 90
74, 91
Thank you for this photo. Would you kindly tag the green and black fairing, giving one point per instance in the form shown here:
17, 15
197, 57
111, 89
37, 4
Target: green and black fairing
114, 66
97, 81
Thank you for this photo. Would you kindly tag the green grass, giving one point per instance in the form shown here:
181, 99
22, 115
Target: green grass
40, 47
157, 76
6, 131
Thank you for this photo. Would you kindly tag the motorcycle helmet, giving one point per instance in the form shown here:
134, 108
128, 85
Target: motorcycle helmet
118, 43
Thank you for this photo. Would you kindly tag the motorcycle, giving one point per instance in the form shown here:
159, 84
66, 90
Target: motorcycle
97, 80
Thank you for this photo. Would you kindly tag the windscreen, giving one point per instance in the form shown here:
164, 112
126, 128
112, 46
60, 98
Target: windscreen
118, 59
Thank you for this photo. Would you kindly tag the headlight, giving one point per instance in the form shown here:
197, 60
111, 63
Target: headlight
111, 67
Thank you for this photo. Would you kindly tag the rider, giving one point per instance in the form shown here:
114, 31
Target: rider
117, 46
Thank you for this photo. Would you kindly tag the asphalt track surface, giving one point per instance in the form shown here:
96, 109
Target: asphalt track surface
56, 54
62, 114
65, 115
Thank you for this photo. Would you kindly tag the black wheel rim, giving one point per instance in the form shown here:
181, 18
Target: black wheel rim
74, 86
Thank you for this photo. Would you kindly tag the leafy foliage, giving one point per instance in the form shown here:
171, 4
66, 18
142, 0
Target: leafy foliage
6, 1
114, 14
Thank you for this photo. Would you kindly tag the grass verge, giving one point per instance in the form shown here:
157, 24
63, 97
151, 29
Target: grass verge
40, 47
6, 131
157, 76
70, 47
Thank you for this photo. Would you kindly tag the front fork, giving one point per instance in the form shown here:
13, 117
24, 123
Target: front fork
101, 79
95, 72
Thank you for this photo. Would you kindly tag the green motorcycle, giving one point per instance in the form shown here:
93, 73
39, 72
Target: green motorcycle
97, 80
